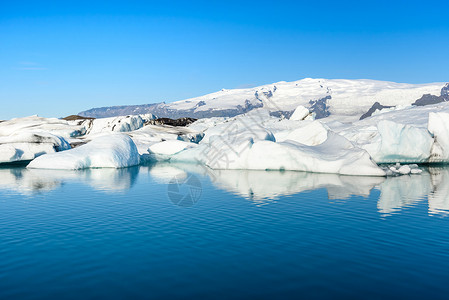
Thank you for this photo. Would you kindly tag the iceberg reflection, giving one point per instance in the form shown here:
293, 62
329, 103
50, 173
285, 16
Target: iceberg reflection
403, 191
260, 187
32, 181
263, 187
439, 197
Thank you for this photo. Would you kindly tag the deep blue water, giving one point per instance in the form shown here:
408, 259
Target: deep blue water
180, 231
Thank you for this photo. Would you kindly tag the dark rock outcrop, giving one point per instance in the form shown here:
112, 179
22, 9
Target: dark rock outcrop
76, 118
171, 122
428, 99
282, 113
445, 92
376, 106
320, 107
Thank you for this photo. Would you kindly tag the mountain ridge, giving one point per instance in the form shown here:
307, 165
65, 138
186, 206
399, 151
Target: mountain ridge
323, 96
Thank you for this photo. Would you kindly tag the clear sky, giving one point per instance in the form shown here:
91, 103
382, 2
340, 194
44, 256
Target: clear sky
59, 58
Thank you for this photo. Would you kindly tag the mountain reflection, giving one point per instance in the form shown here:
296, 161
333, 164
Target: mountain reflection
260, 187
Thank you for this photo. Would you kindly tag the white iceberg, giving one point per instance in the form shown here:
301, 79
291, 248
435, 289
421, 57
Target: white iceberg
169, 147
439, 127
411, 135
152, 134
400, 143
311, 134
335, 155
250, 146
300, 113
110, 151
117, 124
25, 146
256, 141
37, 124
9, 153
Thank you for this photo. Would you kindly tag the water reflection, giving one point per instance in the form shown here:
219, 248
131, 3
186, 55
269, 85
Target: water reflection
396, 193
32, 181
439, 196
264, 187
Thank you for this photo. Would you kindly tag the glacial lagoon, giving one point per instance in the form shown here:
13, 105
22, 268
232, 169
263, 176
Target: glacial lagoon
185, 231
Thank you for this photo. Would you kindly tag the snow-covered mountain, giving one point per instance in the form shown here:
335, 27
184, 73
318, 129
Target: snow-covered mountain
325, 97
407, 124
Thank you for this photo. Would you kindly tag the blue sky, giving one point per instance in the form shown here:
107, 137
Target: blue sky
59, 58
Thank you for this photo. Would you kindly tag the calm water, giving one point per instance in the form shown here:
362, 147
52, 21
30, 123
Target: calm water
180, 231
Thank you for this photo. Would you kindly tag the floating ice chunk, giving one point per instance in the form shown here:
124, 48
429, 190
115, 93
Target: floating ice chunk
300, 113
8, 153
110, 151
439, 127
117, 124
58, 142
152, 134
335, 155
311, 135
398, 170
25, 146
37, 124
250, 124
400, 143
28, 151
169, 147
404, 170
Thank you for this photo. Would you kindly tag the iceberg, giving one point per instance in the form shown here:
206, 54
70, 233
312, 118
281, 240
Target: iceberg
37, 124
300, 113
336, 155
439, 127
110, 151
252, 147
412, 135
400, 143
312, 134
256, 140
25, 146
117, 124
164, 150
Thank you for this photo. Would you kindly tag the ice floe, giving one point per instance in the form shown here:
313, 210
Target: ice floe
110, 151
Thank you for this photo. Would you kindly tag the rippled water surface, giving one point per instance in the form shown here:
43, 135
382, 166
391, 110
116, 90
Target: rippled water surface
181, 231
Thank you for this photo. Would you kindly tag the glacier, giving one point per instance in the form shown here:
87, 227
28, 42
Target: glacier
389, 142
341, 98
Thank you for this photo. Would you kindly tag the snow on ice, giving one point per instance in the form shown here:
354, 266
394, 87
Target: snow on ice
258, 139
109, 151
